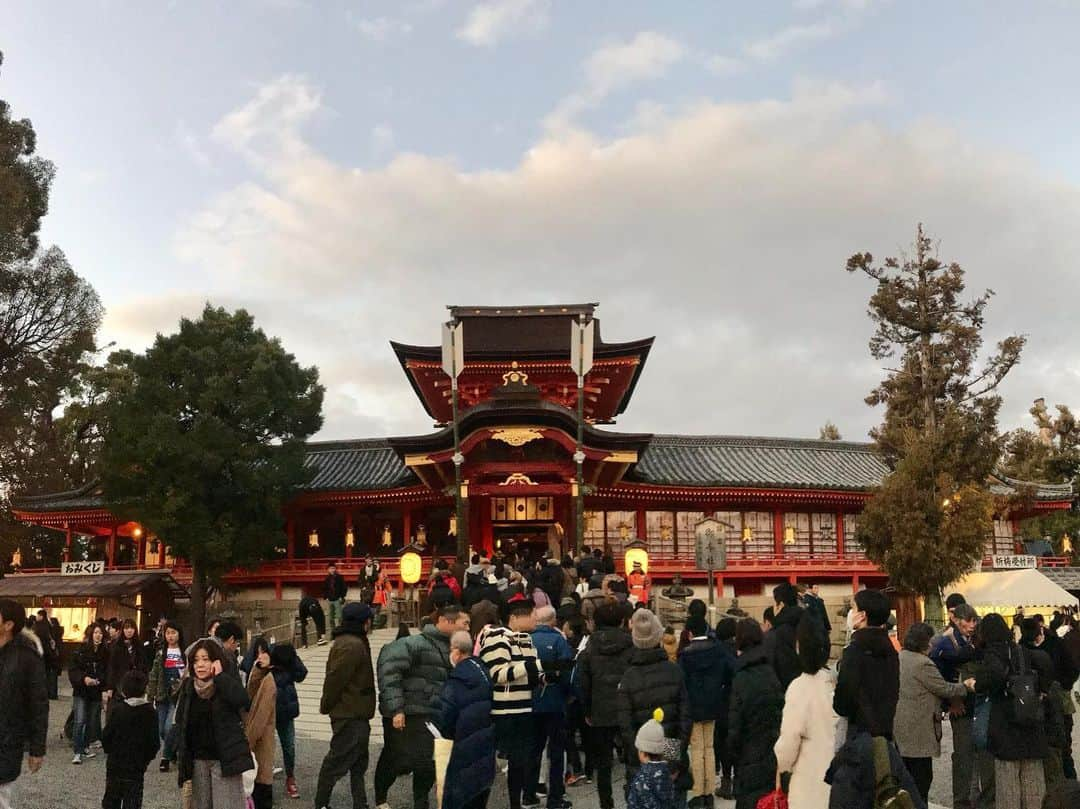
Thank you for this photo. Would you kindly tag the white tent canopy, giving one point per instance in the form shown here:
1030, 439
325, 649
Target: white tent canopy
1009, 589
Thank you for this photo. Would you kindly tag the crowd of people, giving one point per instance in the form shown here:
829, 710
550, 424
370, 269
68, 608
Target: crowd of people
556, 673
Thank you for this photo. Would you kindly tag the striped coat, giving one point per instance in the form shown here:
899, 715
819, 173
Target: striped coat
514, 668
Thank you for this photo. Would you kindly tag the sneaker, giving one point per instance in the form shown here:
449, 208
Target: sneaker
382, 806
89, 754
562, 804
76, 759
96, 744
574, 780
321, 642
529, 802
291, 789
164, 765
278, 770
541, 789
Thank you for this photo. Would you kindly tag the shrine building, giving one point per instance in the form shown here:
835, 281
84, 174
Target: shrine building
790, 506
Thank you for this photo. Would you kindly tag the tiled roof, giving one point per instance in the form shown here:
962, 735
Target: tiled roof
1004, 486
1068, 578
356, 465
765, 462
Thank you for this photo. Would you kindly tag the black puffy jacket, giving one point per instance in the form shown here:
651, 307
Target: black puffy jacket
600, 668
780, 645
868, 682
24, 704
1009, 741
229, 700
709, 668
757, 706
652, 681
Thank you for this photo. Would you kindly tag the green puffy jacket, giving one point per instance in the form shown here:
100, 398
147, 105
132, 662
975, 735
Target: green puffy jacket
412, 671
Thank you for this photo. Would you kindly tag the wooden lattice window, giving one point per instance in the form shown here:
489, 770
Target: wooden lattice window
660, 527
809, 534
594, 529
760, 541
621, 527
685, 537
852, 546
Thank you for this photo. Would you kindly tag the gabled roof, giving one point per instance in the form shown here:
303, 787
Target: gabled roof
363, 464
745, 461
111, 584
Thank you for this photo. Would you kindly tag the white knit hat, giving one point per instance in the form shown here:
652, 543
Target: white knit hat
650, 736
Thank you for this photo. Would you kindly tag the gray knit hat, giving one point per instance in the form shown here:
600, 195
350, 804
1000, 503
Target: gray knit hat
646, 629
650, 736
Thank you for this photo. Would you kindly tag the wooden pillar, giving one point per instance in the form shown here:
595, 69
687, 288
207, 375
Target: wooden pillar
406, 525
719, 586
348, 528
111, 550
290, 532
778, 532
855, 584
140, 552
67, 542
277, 589
642, 524
840, 550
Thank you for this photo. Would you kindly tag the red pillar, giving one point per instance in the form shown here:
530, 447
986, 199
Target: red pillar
111, 551
642, 525
719, 585
290, 532
855, 584
778, 532
406, 526
140, 553
67, 542
277, 589
840, 534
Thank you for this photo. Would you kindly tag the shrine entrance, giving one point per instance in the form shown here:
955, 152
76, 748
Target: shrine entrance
530, 540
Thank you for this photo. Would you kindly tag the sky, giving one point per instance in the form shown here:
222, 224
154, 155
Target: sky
345, 170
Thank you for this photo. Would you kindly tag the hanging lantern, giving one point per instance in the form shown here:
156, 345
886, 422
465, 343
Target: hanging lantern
350, 540
665, 533
313, 538
16, 558
624, 532
636, 551
452, 530
410, 563
789, 535
387, 537
421, 535
747, 533
136, 532
1066, 545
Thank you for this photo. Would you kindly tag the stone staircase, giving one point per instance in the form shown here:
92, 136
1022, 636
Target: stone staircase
313, 725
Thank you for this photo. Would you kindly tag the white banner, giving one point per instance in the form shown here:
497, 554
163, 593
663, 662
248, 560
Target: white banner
1009, 562
82, 568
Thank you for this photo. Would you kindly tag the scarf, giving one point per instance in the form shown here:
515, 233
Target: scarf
204, 688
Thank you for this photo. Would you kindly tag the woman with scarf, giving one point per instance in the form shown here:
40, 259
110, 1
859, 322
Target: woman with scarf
212, 750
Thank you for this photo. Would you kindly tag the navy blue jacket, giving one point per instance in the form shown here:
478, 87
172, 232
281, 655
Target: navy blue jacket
709, 667
552, 646
288, 701
464, 715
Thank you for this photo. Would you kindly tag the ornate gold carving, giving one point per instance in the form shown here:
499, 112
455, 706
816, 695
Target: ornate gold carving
519, 479
517, 436
514, 376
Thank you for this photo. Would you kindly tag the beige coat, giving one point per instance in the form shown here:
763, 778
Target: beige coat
805, 745
259, 724
917, 726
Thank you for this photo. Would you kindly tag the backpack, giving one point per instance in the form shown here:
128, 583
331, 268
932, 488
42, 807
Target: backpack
1022, 689
888, 794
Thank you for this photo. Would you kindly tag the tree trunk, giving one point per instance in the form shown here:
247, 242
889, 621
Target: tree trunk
933, 609
198, 602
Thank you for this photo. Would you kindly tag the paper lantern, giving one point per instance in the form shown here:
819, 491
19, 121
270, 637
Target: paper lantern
411, 565
636, 551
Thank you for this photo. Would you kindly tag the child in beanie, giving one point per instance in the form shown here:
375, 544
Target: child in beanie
651, 787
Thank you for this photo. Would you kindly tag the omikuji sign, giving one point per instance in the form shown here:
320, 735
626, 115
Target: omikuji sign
82, 568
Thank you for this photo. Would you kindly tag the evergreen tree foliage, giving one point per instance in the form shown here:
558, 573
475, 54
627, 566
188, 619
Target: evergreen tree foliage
205, 442
939, 430
829, 432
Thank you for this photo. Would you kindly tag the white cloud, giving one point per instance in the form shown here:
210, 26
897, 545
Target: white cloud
774, 46
271, 119
380, 29
382, 139
613, 67
722, 229
492, 21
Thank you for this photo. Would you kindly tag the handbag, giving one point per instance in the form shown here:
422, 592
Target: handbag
775, 799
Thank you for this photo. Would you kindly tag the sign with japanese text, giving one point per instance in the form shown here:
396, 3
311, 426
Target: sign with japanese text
1008, 562
82, 568
710, 545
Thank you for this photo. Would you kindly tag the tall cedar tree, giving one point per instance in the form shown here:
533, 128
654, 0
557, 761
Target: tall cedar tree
928, 523
49, 318
206, 443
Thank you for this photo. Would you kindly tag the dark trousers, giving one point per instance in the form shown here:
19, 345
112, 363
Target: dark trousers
479, 802
922, 772
603, 740
262, 796
52, 684
575, 725
971, 767
1068, 766
122, 793
319, 617
348, 753
404, 751
514, 736
725, 766
549, 730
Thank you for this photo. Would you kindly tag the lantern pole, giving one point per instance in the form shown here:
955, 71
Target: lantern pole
453, 350
581, 357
